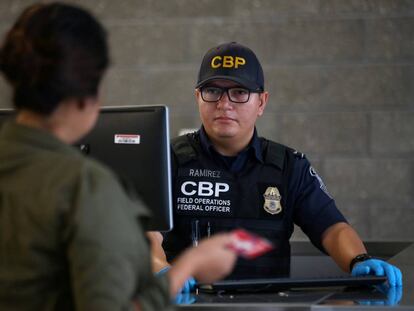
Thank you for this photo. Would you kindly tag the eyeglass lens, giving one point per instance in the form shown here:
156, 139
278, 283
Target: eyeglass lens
235, 94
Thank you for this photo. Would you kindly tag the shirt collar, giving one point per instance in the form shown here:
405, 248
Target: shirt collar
254, 145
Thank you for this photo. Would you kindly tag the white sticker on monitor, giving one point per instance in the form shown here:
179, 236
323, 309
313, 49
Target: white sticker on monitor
127, 139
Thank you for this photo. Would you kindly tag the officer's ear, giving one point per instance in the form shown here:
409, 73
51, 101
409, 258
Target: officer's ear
197, 94
263, 98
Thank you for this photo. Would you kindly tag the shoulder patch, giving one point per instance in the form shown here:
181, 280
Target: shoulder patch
313, 173
298, 154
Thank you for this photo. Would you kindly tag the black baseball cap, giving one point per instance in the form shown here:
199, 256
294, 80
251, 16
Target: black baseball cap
232, 61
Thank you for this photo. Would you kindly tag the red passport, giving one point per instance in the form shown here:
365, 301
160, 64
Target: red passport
249, 245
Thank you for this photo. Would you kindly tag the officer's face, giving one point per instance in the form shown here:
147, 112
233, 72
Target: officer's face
229, 122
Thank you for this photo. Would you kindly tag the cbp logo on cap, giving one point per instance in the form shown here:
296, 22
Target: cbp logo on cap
234, 62
227, 61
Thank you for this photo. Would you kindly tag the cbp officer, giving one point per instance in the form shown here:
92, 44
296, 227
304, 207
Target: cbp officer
226, 176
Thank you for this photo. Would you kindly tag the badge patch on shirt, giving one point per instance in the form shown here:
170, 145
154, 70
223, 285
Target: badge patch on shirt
272, 203
313, 173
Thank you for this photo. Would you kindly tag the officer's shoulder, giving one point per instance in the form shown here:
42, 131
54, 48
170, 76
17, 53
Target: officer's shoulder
184, 146
178, 140
283, 148
297, 154
185, 138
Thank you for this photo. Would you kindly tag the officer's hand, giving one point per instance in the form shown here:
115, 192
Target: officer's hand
379, 267
188, 286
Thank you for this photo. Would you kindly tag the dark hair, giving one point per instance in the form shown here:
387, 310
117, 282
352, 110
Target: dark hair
53, 52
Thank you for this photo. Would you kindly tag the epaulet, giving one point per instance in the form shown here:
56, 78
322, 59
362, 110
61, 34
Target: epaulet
275, 153
183, 148
298, 154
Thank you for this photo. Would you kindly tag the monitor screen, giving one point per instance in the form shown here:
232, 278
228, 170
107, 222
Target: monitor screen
134, 142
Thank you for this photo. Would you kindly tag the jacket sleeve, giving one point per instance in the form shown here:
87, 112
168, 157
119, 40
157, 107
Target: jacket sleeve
107, 251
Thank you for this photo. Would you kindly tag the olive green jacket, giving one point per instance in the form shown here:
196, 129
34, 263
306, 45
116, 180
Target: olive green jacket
70, 236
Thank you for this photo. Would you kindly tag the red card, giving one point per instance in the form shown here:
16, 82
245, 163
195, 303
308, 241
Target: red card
249, 245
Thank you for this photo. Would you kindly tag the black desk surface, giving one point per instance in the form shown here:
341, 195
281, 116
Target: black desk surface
337, 298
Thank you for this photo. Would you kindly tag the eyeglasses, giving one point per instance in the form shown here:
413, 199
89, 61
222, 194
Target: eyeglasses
235, 94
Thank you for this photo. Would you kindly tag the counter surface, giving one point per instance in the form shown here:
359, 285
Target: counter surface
338, 298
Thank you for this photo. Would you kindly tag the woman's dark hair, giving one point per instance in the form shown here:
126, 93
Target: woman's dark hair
53, 52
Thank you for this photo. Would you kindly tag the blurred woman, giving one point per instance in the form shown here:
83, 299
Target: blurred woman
70, 235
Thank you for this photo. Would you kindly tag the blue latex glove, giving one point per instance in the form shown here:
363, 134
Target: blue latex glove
189, 284
185, 299
379, 267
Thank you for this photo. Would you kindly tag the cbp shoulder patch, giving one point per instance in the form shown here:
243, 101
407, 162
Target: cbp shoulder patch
313, 173
298, 154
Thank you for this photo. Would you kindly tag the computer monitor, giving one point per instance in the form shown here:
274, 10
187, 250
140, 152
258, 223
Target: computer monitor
134, 142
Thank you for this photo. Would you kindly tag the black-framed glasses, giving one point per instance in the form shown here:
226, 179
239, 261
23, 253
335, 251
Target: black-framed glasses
238, 95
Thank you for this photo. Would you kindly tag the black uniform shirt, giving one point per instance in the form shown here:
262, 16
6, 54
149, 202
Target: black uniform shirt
315, 208
233, 164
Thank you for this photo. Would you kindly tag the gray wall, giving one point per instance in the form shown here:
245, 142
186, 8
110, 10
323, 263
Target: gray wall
340, 74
